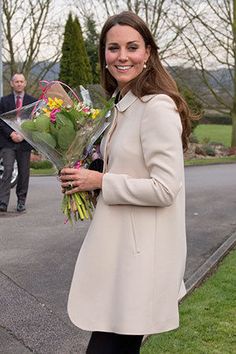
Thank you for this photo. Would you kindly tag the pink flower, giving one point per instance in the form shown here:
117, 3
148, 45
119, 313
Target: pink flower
77, 164
86, 109
53, 117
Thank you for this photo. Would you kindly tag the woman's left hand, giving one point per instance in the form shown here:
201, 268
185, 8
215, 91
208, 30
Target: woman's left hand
76, 180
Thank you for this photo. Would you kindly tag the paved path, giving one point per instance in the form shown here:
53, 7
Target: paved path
210, 211
38, 253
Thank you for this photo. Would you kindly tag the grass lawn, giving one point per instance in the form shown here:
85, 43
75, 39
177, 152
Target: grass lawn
43, 171
214, 133
210, 160
207, 318
193, 162
204, 132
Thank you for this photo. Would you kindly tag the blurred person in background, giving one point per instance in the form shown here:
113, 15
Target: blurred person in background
14, 147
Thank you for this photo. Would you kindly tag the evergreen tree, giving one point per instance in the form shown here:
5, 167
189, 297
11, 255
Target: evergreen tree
75, 68
91, 44
65, 62
84, 69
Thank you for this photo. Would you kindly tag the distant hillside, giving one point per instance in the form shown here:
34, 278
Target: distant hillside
52, 74
220, 79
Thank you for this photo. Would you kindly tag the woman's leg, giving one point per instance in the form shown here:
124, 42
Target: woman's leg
112, 343
102, 343
130, 344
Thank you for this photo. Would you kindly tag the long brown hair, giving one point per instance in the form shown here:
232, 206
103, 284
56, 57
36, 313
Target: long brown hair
152, 80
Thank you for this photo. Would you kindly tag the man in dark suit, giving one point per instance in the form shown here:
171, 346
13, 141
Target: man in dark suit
14, 147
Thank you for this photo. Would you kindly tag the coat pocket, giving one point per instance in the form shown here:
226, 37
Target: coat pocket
135, 234
143, 223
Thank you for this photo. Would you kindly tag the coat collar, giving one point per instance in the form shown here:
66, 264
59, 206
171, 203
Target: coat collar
126, 101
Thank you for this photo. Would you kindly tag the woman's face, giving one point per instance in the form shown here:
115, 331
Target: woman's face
125, 53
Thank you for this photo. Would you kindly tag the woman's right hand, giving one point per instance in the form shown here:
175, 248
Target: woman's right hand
77, 180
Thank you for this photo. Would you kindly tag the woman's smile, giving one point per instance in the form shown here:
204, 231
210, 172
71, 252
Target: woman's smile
123, 68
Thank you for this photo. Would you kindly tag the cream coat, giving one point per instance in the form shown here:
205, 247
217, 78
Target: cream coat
129, 273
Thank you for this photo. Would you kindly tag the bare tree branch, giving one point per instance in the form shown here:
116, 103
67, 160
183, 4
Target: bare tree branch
210, 40
30, 36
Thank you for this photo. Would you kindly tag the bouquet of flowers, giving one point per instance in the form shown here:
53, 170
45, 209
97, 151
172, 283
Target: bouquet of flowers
64, 129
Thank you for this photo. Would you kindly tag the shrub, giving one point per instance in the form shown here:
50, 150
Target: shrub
43, 164
193, 138
217, 119
209, 150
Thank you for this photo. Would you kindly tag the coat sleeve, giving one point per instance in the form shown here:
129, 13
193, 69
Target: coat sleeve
160, 135
6, 130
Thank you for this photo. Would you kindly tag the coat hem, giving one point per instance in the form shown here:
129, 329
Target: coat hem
110, 329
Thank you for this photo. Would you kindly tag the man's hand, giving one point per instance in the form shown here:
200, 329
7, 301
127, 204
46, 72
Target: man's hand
16, 137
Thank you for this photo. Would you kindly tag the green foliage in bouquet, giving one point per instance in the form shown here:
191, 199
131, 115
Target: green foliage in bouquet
58, 126
65, 132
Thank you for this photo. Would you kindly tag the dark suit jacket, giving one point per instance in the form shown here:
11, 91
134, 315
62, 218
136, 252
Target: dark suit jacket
7, 103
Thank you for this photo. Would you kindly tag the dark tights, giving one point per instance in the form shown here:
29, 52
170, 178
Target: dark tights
112, 343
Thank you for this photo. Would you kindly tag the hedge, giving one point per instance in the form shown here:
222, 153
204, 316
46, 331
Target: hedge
226, 120
43, 164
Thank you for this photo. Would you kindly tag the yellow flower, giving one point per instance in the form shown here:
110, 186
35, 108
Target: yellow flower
46, 111
59, 102
95, 112
56, 103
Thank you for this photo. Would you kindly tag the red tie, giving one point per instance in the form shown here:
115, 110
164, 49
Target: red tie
18, 102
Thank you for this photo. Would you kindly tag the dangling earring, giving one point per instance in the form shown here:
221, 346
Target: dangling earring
144, 65
106, 66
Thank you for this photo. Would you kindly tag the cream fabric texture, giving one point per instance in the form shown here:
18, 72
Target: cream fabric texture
128, 278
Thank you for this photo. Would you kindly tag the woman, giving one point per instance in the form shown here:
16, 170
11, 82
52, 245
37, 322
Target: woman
129, 275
